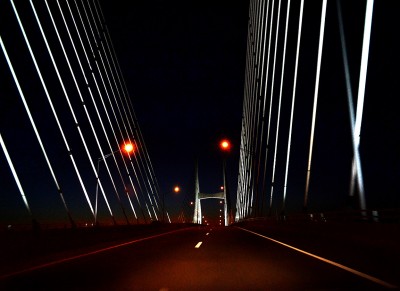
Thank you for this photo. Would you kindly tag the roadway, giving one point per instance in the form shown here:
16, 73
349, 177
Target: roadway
195, 258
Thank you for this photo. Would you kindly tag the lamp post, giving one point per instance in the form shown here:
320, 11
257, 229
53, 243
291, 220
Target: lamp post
225, 146
128, 148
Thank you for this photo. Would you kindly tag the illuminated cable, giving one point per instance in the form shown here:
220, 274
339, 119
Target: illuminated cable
321, 42
293, 101
69, 104
361, 93
11, 165
138, 155
280, 100
270, 105
112, 108
137, 127
124, 110
97, 112
85, 109
272, 89
31, 119
263, 109
102, 61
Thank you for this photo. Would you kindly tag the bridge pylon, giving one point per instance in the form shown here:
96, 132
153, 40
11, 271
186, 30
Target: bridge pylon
197, 215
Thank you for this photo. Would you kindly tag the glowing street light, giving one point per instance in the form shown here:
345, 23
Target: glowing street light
177, 189
127, 148
225, 145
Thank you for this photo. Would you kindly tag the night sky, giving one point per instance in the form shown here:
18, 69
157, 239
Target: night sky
184, 66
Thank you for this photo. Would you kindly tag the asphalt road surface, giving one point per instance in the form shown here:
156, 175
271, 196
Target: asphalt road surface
195, 258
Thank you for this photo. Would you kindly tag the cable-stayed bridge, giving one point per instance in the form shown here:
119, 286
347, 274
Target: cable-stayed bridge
309, 71
319, 135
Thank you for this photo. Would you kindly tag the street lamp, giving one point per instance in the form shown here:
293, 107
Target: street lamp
225, 146
127, 148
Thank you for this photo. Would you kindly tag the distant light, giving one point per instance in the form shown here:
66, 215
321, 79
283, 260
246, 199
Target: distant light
225, 145
191, 202
128, 147
222, 187
177, 189
220, 202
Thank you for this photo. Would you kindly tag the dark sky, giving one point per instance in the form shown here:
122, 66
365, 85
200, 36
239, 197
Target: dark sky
184, 66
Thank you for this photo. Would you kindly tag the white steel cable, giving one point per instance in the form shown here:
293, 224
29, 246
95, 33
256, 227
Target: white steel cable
280, 99
270, 103
321, 42
138, 153
85, 109
11, 165
243, 160
112, 108
52, 107
258, 86
356, 154
300, 25
361, 95
70, 106
97, 112
135, 154
35, 129
112, 90
272, 84
263, 97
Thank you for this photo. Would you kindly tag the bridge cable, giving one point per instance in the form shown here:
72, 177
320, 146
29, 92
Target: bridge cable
118, 108
280, 99
321, 41
85, 108
104, 106
11, 165
293, 102
123, 120
111, 106
97, 112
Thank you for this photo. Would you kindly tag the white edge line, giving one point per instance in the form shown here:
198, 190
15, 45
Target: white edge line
358, 273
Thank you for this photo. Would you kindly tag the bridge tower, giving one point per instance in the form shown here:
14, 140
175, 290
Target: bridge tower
197, 215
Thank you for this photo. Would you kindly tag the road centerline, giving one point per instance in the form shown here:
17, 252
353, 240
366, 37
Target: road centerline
198, 245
